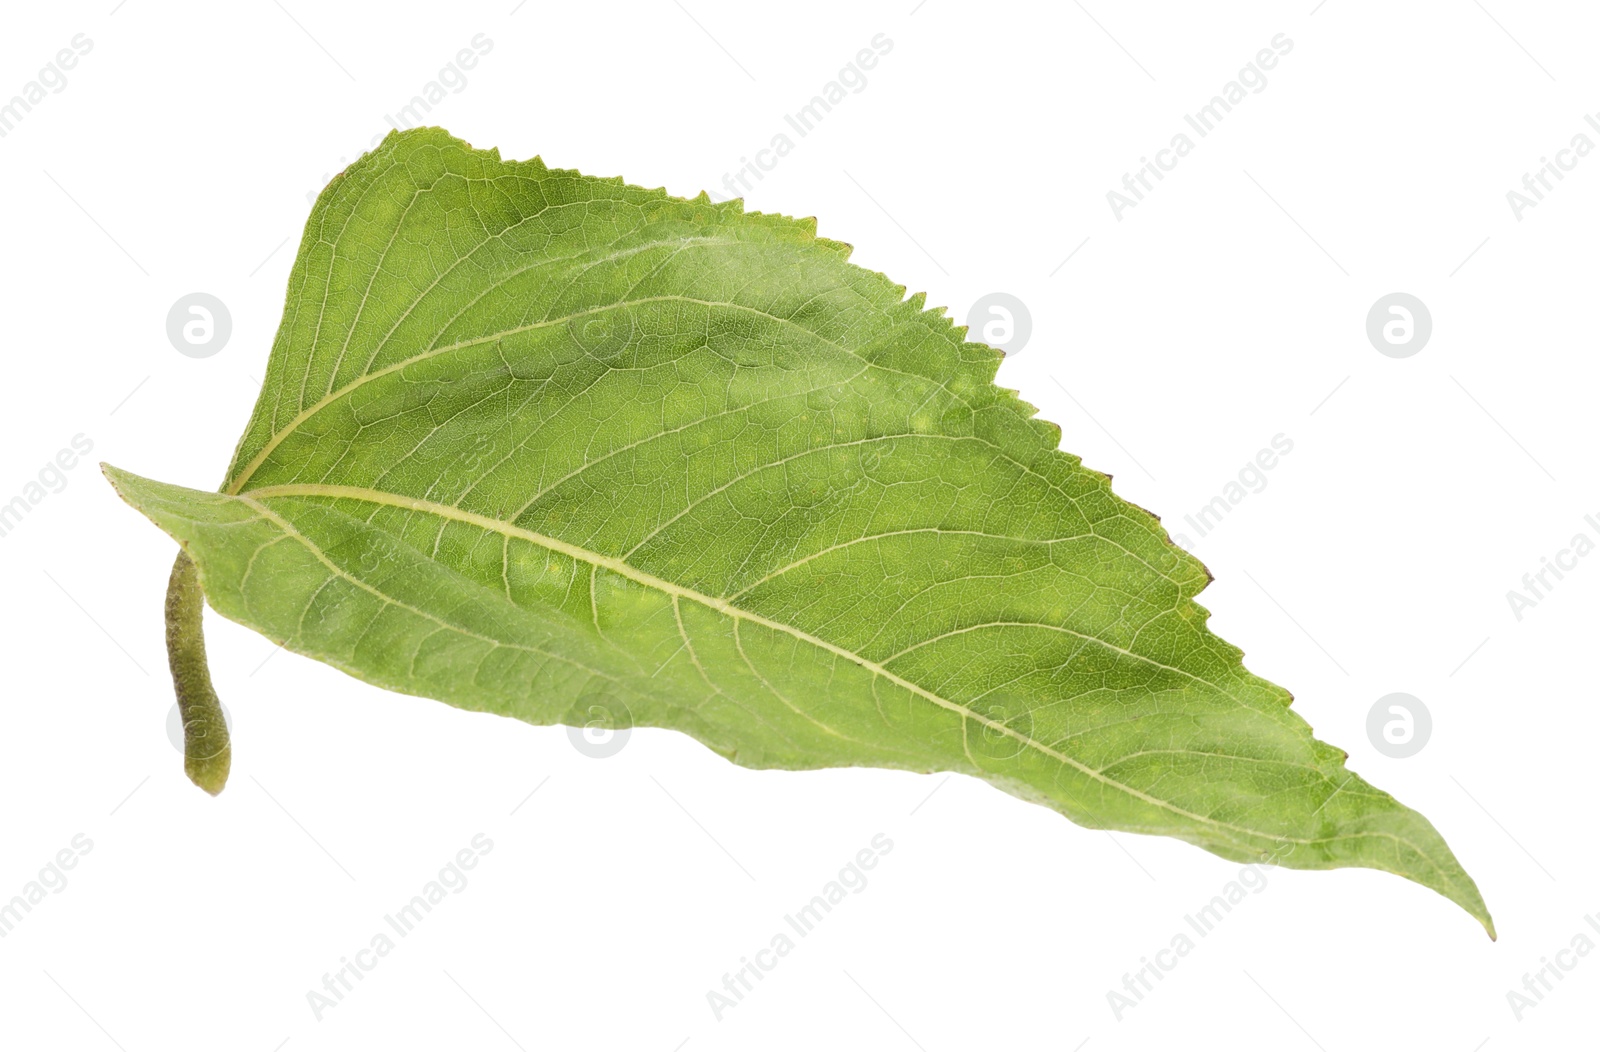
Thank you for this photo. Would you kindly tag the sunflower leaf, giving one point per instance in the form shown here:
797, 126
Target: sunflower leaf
546, 445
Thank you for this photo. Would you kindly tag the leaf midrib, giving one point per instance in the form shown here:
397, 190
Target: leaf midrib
727, 609
337, 572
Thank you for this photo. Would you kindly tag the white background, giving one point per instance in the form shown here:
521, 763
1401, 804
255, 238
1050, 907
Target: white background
1171, 346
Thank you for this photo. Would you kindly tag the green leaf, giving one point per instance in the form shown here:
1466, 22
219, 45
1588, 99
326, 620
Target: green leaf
546, 445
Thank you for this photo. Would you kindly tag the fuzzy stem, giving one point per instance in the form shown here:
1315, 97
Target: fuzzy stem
206, 752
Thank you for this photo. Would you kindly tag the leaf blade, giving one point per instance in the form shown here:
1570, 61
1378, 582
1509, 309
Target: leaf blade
744, 489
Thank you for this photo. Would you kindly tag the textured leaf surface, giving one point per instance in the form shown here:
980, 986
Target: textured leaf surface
542, 444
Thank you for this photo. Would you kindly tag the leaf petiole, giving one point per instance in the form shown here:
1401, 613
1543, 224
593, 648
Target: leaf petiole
207, 754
